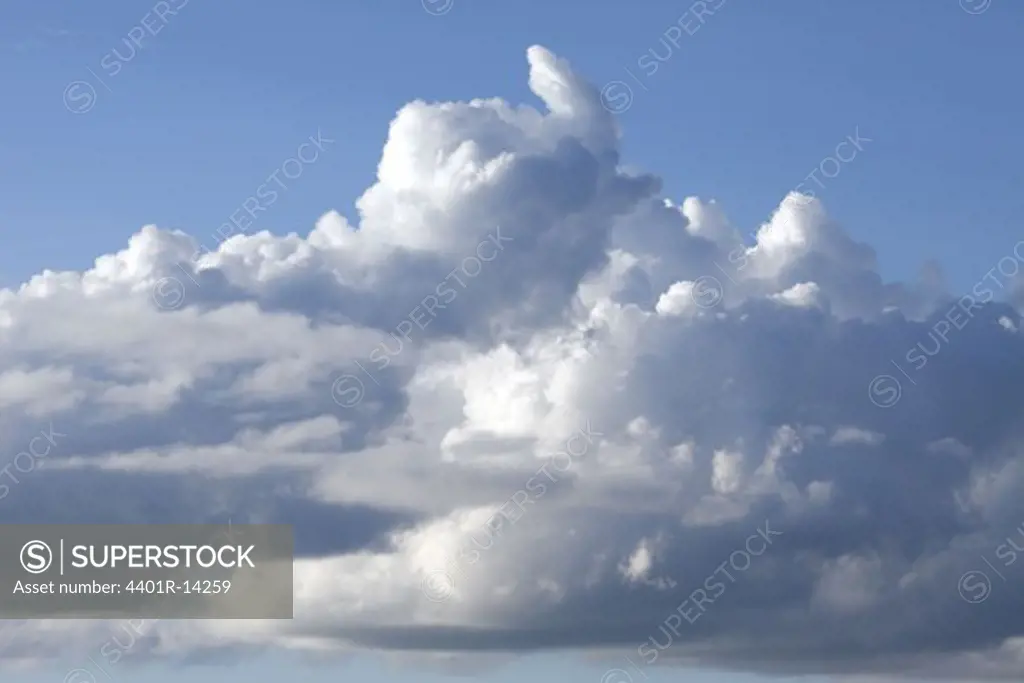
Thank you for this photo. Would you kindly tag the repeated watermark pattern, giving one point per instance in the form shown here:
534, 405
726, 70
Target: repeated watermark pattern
617, 95
975, 586
696, 604
708, 291
111, 651
169, 292
975, 6
885, 390
80, 96
439, 584
833, 162
437, 8
348, 390
25, 462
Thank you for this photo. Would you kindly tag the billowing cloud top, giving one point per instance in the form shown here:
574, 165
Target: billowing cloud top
528, 403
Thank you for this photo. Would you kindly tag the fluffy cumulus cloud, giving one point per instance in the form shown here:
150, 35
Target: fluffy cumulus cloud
526, 402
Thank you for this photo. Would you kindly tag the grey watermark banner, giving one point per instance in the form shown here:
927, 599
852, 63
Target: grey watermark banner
164, 571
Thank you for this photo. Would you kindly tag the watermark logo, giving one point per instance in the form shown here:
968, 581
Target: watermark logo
707, 291
169, 294
975, 6
832, 165
348, 390
975, 586
79, 676
113, 650
884, 391
36, 557
438, 585
437, 8
696, 604
617, 676
115, 570
617, 95
26, 461
79, 97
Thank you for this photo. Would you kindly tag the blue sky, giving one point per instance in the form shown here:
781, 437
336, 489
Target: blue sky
741, 112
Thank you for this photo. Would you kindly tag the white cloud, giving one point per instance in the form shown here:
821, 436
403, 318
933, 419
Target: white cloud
516, 423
